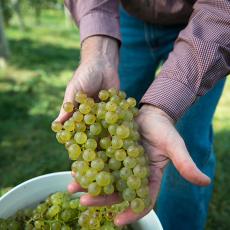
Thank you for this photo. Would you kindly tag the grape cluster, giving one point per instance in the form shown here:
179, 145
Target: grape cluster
103, 141
60, 211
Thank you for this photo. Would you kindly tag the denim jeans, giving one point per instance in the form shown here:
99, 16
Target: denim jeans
180, 205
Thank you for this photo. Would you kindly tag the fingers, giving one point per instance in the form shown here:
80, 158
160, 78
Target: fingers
75, 187
186, 166
102, 200
128, 216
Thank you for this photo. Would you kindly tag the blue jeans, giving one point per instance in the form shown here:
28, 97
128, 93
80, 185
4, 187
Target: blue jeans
180, 205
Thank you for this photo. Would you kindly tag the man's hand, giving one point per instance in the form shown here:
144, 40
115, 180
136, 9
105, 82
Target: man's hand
162, 143
98, 70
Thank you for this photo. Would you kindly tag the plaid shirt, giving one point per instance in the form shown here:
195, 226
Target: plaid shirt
201, 53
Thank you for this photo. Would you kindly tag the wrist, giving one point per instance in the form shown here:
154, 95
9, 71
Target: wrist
102, 48
158, 111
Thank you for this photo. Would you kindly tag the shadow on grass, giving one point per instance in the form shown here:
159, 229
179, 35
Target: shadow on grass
28, 147
220, 206
50, 58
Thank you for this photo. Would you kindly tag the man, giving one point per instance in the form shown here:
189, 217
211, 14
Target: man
200, 56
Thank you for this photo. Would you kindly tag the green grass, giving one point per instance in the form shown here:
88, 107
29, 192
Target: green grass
31, 91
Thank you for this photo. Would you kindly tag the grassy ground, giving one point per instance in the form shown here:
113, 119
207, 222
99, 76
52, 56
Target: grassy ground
31, 90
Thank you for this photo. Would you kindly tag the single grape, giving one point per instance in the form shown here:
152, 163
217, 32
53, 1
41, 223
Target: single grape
90, 102
84, 182
133, 151
111, 117
91, 144
84, 108
80, 97
53, 211
94, 189
80, 127
129, 162
143, 191
128, 116
77, 116
39, 224
83, 220
120, 154
66, 215
91, 174
140, 171
125, 173
56, 126
69, 125
98, 164
80, 166
101, 113
122, 131
114, 164
80, 137
134, 182
124, 104
111, 106
89, 155
108, 189
65, 135
103, 178
137, 205
112, 91
89, 119
132, 101
74, 151
74, 204
115, 99
110, 152
55, 225
117, 142
66, 227
121, 185
68, 107
103, 95
112, 129
128, 194
95, 129
105, 142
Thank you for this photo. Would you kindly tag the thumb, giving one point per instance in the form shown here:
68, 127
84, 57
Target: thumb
181, 159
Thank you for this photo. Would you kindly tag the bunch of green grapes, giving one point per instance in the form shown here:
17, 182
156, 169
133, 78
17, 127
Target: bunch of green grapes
103, 141
60, 211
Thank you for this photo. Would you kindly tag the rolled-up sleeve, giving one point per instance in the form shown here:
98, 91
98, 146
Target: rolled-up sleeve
95, 17
201, 56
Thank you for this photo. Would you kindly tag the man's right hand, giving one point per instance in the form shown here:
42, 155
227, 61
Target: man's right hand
97, 70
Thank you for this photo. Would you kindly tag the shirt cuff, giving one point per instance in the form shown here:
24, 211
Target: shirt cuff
99, 24
172, 96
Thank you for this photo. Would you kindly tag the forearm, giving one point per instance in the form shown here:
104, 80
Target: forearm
201, 56
100, 47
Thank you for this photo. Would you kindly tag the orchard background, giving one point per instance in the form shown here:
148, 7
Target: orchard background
39, 50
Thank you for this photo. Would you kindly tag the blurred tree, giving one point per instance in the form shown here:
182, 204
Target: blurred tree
17, 7
4, 48
6, 11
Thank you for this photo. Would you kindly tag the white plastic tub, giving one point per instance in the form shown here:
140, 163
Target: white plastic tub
33, 191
